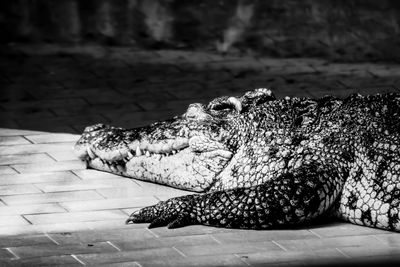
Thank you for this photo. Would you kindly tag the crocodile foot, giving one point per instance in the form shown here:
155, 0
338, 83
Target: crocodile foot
173, 213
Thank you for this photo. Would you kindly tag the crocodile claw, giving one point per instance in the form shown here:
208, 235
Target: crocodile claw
170, 213
144, 215
133, 218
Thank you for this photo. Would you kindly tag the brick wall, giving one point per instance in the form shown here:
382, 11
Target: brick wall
352, 30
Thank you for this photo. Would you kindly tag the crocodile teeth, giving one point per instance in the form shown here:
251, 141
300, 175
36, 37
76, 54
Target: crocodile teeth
221, 136
183, 132
173, 152
90, 153
120, 168
130, 155
113, 167
147, 154
138, 151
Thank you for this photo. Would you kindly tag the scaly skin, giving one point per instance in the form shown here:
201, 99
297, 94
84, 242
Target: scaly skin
261, 162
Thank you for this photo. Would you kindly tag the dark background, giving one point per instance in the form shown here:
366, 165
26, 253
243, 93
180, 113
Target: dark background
345, 30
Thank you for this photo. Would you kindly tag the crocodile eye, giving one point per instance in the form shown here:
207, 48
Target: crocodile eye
230, 104
222, 106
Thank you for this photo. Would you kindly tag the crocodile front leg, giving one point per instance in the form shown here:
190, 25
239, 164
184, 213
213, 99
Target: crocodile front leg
291, 198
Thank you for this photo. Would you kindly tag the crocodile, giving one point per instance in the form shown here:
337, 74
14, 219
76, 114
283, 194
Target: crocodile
257, 162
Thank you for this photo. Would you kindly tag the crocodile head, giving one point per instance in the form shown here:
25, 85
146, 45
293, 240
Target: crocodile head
188, 151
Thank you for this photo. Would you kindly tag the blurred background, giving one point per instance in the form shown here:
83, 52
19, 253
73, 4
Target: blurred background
69, 63
341, 30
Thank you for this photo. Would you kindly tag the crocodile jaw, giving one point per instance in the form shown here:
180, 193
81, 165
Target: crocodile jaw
176, 162
135, 153
159, 168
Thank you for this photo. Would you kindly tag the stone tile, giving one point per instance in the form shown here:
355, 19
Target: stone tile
51, 197
107, 97
217, 249
63, 155
26, 240
12, 140
209, 260
50, 167
9, 123
63, 260
238, 236
121, 256
83, 216
89, 174
127, 192
139, 236
185, 231
186, 90
43, 104
129, 211
331, 242
12, 220
345, 229
18, 189
25, 158
385, 71
66, 227
105, 204
44, 250
320, 261
71, 92
122, 192
31, 209
241, 63
27, 178
371, 251
36, 148
16, 132
5, 255
7, 170
103, 108
175, 106
268, 257
23, 114
389, 239
62, 122
122, 264
385, 260
86, 184
152, 242
54, 125
52, 138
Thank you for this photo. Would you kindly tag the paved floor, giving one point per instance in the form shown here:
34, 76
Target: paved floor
53, 211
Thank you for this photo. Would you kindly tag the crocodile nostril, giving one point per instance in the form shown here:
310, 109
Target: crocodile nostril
194, 111
190, 115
